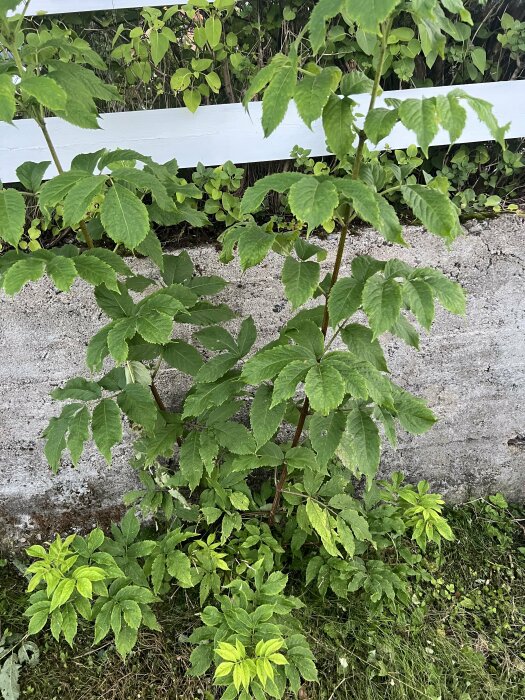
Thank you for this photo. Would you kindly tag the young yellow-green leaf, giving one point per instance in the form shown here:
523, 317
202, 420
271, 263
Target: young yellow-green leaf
27, 270
7, 98
325, 388
434, 209
338, 124
106, 427
417, 295
313, 91
325, 434
412, 412
363, 437
320, 522
12, 216
46, 92
344, 300
192, 99
213, 29
264, 419
300, 280
80, 197
382, 301
278, 94
124, 217
313, 201
420, 116
253, 245
379, 123
370, 14
323, 11
159, 45
62, 593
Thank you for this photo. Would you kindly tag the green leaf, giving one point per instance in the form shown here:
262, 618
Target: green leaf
450, 294
313, 201
182, 356
190, 460
213, 29
485, 114
285, 384
356, 83
124, 217
159, 46
267, 363
154, 326
253, 245
120, 331
358, 523
382, 301
235, 437
137, 402
54, 191
325, 434
420, 116
379, 123
344, 300
360, 341
179, 566
364, 199
452, 115
20, 273
369, 14
96, 271
62, 271
265, 418
80, 197
313, 91
278, 182
62, 593
216, 367
434, 209
30, 174
412, 412
363, 437
339, 126
78, 434
78, 389
12, 216
320, 522
97, 349
7, 98
323, 11
106, 426
278, 94
325, 388
300, 280
46, 92
417, 295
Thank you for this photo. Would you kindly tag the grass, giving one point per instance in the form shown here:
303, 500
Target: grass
462, 639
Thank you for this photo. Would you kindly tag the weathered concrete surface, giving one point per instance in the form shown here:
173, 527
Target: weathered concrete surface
472, 371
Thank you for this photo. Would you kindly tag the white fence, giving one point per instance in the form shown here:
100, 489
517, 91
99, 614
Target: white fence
58, 7
218, 133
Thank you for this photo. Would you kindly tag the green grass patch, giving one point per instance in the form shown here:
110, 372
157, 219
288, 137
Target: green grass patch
463, 637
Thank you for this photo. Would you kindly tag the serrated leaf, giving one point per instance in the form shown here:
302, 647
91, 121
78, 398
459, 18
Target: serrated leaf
96, 271
325, 434
235, 437
267, 363
370, 14
313, 201
338, 124
452, 115
78, 434
418, 296
45, 90
300, 280
278, 182
182, 356
137, 402
253, 245
78, 389
420, 116
363, 436
124, 217
320, 522
412, 412
106, 426
312, 93
286, 382
30, 174
379, 123
190, 460
434, 209
325, 388
80, 197
265, 420
7, 98
344, 300
12, 216
279, 93
450, 294
62, 271
323, 11
382, 301
360, 341
154, 326
54, 191
20, 273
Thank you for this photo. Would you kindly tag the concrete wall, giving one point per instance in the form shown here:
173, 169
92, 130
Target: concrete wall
472, 371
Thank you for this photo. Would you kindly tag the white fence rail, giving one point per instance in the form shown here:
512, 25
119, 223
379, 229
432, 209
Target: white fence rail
59, 7
219, 133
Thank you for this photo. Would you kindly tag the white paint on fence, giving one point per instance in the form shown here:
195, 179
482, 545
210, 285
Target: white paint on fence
59, 7
219, 133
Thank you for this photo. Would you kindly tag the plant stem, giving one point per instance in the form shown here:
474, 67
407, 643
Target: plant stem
156, 396
54, 155
337, 267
